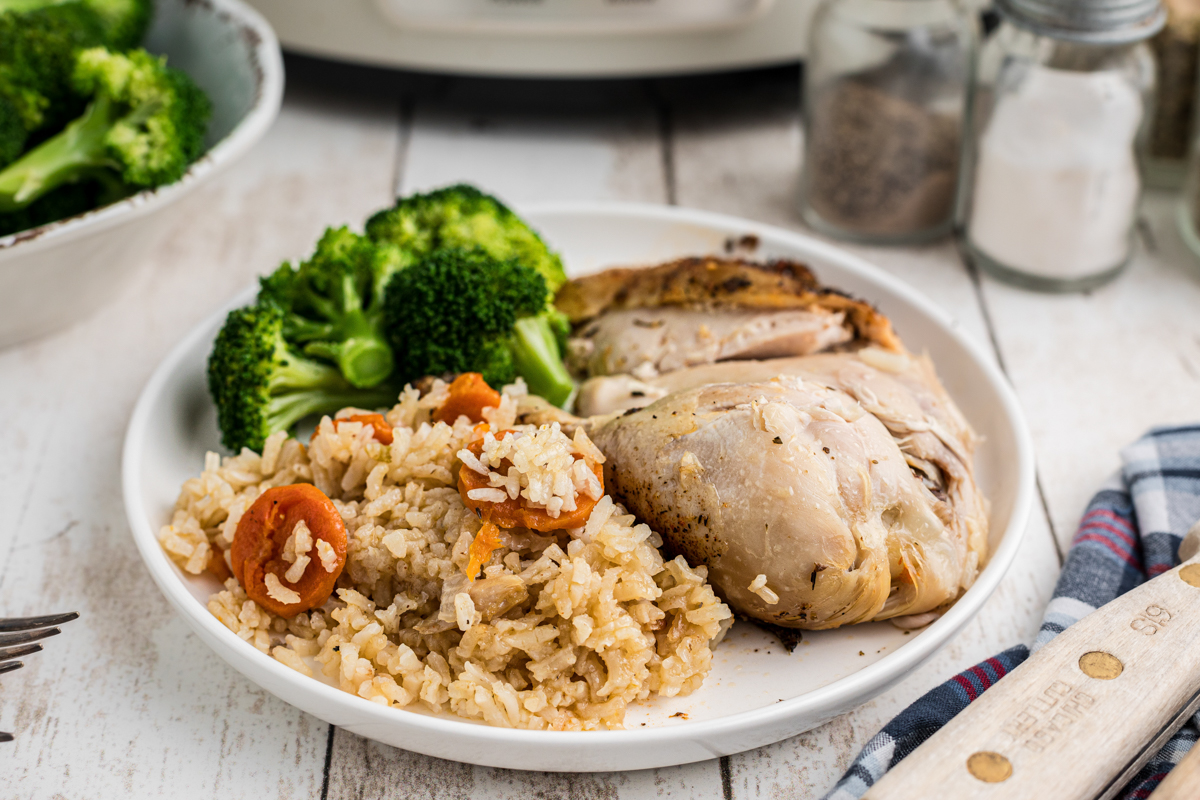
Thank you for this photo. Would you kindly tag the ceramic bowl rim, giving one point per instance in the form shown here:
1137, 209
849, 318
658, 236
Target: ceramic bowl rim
266, 59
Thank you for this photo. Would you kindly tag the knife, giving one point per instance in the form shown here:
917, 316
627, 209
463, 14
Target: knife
1183, 782
1081, 715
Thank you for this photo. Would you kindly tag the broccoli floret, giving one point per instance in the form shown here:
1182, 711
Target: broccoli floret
461, 216
467, 311
334, 304
145, 124
37, 60
260, 385
123, 23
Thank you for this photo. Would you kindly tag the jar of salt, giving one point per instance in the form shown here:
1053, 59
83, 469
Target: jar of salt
885, 98
1063, 90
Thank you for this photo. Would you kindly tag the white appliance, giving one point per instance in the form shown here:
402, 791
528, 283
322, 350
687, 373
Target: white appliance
546, 38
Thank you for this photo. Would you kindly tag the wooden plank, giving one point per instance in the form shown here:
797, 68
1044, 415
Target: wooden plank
1095, 370
525, 142
362, 768
126, 702
737, 149
538, 142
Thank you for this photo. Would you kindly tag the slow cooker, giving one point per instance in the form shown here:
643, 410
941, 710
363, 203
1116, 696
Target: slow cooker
546, 38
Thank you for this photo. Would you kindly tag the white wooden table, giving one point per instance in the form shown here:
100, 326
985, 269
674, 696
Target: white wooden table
127, 703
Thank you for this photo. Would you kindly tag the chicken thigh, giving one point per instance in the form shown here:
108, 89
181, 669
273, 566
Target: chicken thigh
800, 502
900, 390
778, 432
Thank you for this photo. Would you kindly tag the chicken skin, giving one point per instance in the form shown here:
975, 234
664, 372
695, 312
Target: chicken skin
795, 481
779, 433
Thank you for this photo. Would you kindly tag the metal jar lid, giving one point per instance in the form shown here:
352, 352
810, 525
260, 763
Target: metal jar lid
1091, 21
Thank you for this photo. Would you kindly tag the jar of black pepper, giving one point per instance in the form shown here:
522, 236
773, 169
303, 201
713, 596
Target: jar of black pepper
885, 99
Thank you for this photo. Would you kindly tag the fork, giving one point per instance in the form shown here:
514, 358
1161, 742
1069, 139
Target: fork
19, 636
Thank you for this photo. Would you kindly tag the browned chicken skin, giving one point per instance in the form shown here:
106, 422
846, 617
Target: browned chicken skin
685, 291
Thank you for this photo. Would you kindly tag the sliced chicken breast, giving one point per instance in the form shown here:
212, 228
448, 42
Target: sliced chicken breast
649, 341
694, 311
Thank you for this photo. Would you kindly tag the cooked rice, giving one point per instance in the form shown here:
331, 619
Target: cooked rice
543, 468
760, 588
560, 631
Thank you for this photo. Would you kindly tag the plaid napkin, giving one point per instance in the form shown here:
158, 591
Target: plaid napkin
1130, 532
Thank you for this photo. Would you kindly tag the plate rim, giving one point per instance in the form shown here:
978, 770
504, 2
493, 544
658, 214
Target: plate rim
874, 677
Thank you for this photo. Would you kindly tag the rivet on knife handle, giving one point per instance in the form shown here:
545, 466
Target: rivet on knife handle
1067, 721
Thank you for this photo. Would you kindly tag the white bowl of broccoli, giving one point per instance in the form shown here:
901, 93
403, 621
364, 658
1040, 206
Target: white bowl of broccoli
81, 261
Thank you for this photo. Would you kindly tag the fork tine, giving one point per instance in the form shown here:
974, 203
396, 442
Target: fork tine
9, 666
7, 639
18, 651
29, 623
5, 737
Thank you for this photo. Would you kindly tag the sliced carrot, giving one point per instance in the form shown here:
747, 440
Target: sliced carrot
469, 396
487, 541
262, 533
512, 512
382, 433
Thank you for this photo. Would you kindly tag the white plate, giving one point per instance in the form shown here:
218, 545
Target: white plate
756, 694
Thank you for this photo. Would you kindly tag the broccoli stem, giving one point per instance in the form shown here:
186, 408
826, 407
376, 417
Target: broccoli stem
323, 390
74, 153
361, 352
300, 373
537, 359
286, 410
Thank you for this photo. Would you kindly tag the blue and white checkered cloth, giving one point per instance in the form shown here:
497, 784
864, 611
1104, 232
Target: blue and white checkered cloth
1130, 532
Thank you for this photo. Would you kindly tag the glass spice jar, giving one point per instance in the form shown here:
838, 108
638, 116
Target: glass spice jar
1176, 50
1064, 87
885, 99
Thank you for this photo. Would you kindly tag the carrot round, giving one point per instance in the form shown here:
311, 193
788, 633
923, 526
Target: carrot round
262, 533
382, 433
469, 396
513, 513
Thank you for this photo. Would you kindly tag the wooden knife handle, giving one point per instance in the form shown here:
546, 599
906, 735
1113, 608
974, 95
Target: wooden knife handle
1067, 721
1183, 782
